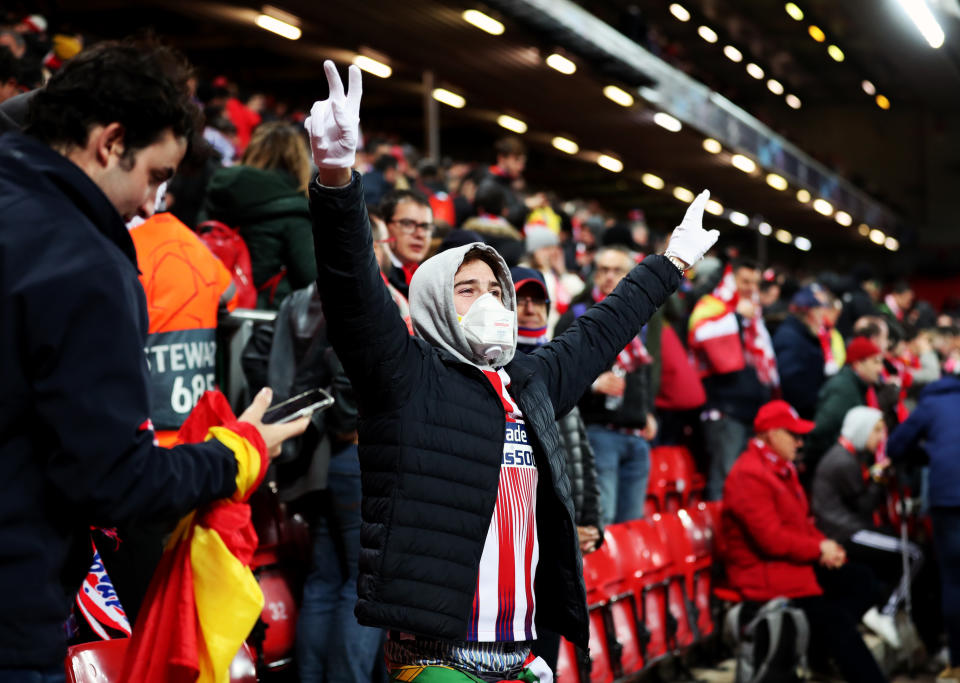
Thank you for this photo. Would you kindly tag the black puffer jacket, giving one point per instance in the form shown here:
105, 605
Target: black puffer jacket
581, 470
432, 435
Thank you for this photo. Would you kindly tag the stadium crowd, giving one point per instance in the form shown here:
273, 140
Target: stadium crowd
437, 301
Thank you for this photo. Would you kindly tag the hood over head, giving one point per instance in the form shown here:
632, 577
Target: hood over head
432, 310
858, 423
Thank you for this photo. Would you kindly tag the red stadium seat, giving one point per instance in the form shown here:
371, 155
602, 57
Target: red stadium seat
98, 662
600, 669
680, 579
279, 615
569, 668
102, 662
612, 612
656, 484
674, 480
651, 565
699, 533
713, 511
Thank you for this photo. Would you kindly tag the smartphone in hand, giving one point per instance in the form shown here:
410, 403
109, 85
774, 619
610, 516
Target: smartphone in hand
299, 406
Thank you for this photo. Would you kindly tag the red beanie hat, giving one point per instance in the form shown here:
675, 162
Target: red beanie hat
860, 348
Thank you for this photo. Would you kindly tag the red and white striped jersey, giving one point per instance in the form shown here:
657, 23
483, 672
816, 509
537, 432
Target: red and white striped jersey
503, 604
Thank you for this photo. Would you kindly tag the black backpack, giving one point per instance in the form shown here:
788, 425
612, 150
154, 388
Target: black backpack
772, 646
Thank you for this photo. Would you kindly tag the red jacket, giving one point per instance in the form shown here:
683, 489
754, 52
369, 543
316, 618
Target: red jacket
770, 544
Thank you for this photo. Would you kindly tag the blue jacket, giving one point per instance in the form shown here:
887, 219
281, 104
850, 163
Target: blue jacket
73, 322
934, 424
801, 365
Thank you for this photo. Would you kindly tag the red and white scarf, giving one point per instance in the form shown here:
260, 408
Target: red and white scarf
634, 355
894, 308
757, 345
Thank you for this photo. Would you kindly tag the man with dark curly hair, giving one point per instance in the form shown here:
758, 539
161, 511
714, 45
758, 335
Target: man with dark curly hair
75, 440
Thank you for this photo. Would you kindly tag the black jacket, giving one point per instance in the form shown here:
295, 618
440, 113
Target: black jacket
581, 470
73, 323
13, 112
431, 435
800, 364
840, 393
856, 304
292, 355
398, 278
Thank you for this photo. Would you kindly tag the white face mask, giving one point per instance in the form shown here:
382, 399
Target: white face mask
489, 328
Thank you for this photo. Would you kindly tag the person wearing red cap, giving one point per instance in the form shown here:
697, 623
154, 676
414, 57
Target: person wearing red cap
854, 385
771, 545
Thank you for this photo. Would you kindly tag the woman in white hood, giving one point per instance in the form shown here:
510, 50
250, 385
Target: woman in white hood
849, 484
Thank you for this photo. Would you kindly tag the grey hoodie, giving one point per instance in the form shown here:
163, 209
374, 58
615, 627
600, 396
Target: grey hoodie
432, 310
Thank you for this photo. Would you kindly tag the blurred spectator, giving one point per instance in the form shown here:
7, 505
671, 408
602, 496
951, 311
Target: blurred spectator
318, 475
220, 134
935, 428
922, 316
511, 160
855, 385
13, 112
409, 221
381, 249
838, 347
430, 182
618, 408
917, 355
775, 309
898, 302
532, 305
490, 206
621, 235
380, 180
849, 485
680, 395
9, 74
895, 377
465, 192
187, 190
14, 42
545, 254
245, 116
804, 349
265, 197
860, 299
737, 362
874, 328
771, 544
458, 238
769, 293
64, 48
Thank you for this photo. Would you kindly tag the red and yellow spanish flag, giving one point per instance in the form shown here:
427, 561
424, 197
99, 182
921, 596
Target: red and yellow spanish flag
204, 600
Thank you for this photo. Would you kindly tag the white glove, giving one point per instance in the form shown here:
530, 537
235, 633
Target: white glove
689, 241
334, 123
